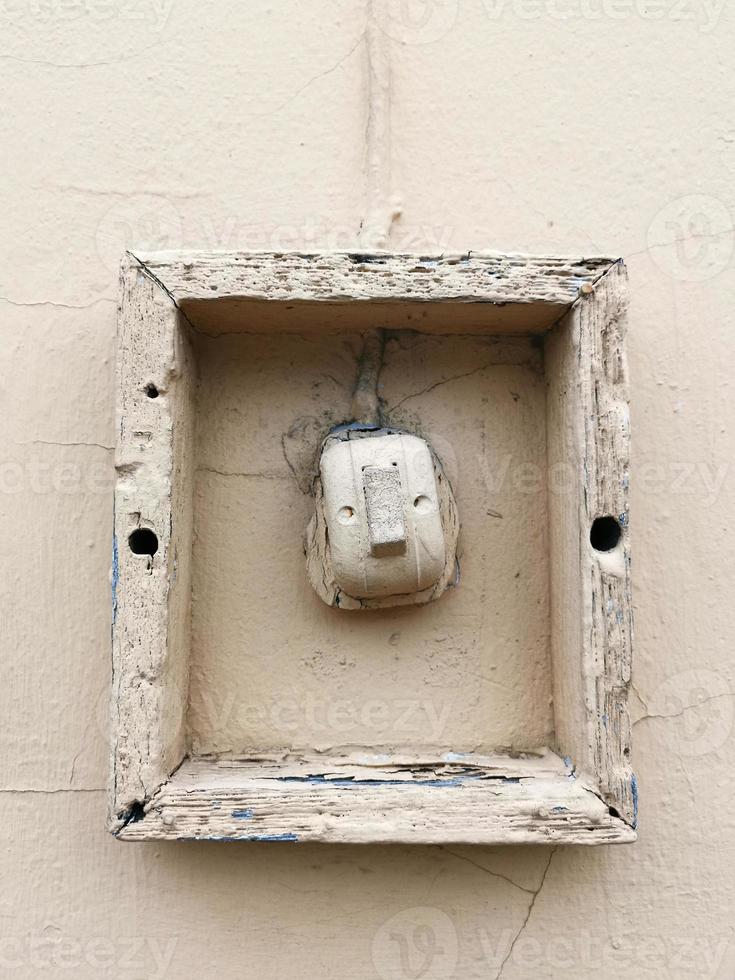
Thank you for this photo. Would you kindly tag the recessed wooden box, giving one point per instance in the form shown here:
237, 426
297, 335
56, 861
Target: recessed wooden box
232, 337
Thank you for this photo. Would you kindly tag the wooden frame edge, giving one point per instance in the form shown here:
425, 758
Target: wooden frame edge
163, 277
332, 801
149, 672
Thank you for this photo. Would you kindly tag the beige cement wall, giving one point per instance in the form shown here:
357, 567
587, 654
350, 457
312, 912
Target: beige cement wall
513, 127
272, 665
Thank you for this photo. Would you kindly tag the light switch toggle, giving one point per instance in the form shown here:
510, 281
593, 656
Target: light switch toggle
384, 507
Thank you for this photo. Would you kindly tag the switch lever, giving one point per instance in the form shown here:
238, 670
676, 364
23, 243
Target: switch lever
384, 504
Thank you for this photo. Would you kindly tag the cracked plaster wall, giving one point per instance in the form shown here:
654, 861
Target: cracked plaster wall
263, 126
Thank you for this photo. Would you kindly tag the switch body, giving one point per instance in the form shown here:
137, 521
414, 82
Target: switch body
388, 517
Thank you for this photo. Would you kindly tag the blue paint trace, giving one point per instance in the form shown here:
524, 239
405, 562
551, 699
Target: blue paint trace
353, 427
254, 838
271, 837
634, 792
349, 783
242, 814
214, 837
115, 576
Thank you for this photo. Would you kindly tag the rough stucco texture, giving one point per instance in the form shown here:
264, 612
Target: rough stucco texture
594, 127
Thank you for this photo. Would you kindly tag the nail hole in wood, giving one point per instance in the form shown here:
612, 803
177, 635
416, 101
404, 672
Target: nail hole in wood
143, 541
605, 533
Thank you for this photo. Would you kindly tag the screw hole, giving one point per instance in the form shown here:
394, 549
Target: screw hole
143, 541
422, 504
151, 391
605, 534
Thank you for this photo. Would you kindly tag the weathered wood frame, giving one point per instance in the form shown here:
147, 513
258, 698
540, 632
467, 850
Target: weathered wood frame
582, 789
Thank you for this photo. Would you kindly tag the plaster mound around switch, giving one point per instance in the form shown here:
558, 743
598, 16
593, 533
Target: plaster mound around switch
385, 527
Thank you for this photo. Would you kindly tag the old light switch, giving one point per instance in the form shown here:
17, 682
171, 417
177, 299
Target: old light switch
385, 530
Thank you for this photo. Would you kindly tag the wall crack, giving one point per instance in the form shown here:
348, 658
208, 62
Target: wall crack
524, 924
487, 871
